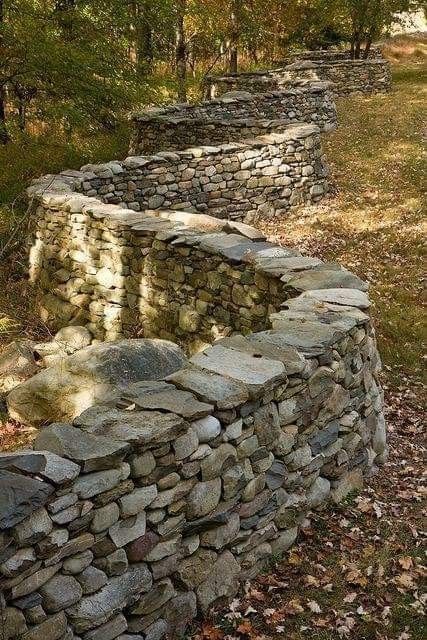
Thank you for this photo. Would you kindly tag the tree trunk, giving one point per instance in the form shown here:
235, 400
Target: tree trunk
180, 51
367, 47
141, 35
4, 136
357, 45
234, 35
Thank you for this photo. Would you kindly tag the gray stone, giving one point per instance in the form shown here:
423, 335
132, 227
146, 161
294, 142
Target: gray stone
138, 500
35, 527
91, 579
266, 424
128, 530
19, 497
137, 427
160, 593
108, 631
77, 563
223, 392
87, 486
221, 582
35, 615
93, 453
343, 296
60, 592
324, 278
142, 465
76, 545
164, 549
105, 517
34, 582
61, 503
179, 612
185, 445
73, 338
19, 562
179, 492
258, 374
90, 376
324, 437
284, 541
44, 463
196, 568
220, 536
53, 628
119, 592
207, 428
167, 398
17, 364
219, 461
156, 631
113, 564
12, 623
203, 498
318, 492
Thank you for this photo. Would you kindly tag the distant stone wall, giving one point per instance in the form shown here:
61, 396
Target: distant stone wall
260, 177
232, 118
345, 76
331, 55
152, 508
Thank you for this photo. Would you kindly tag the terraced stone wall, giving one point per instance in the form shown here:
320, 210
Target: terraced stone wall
261, 177
232, 118
345, 76
152, 508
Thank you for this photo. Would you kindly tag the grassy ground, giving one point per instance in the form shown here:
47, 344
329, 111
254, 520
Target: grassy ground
357, 573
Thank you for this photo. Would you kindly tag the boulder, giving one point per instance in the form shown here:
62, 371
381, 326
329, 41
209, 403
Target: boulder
19, 497
89, 376
17, 364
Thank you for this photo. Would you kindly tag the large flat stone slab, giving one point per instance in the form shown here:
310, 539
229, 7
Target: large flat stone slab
258, 374
46, 464
90, 376
92, 452
19, 497
210, 387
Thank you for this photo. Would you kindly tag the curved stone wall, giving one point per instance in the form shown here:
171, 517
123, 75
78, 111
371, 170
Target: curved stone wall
260, 177
233, 117
151, 508
345, 76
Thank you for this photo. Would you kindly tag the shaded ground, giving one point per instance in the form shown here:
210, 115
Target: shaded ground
357, 572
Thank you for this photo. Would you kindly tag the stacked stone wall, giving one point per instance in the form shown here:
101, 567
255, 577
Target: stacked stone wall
232, 118
329, 55
260, 177
346, 77
153, 507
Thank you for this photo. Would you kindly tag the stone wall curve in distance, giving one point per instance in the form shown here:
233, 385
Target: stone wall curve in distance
151, 508
233, 117
346, 77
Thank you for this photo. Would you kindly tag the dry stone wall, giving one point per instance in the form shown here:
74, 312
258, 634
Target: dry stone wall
232, 118
261, 177
346, 77
329, 55
154, 506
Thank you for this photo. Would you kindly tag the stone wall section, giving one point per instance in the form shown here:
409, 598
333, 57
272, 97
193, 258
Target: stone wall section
233, 117
151, 508
260, 177
346, 77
